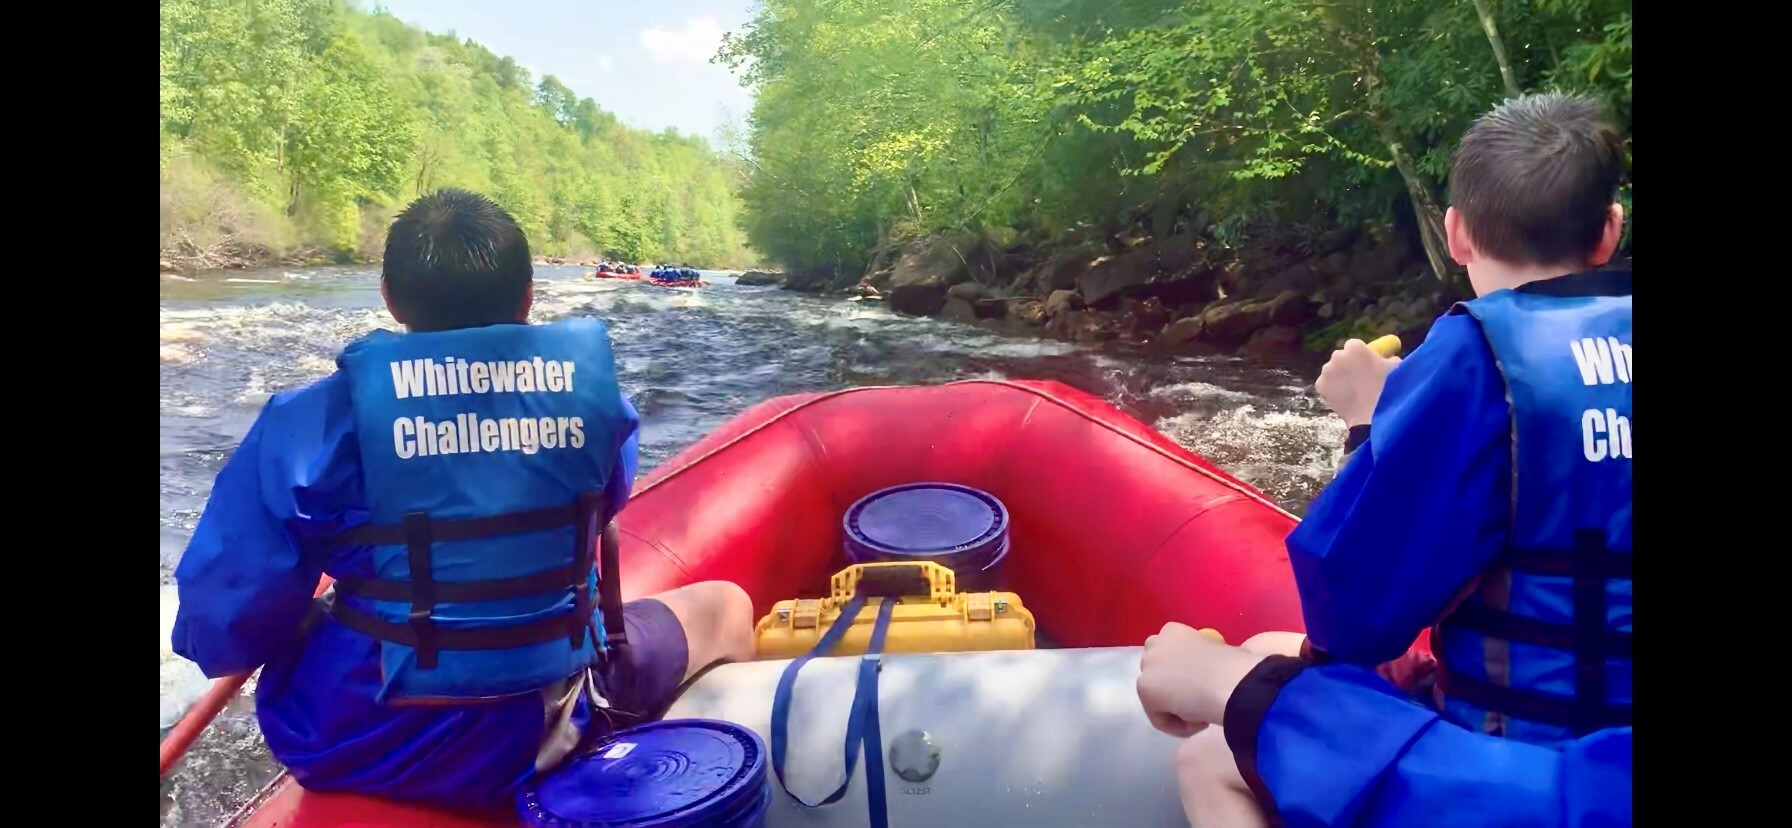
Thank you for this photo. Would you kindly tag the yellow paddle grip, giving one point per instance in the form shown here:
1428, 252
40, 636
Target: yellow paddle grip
1386, 346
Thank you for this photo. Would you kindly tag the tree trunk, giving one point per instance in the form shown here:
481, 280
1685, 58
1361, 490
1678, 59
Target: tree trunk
1430, 215
1499, 47
1425, 208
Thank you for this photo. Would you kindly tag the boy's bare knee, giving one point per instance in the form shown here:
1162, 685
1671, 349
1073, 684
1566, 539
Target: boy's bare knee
734, 620
1275, 643
1204, 758
1212, 790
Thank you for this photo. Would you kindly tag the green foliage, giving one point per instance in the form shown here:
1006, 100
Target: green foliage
333, 118
881, 119
877, 120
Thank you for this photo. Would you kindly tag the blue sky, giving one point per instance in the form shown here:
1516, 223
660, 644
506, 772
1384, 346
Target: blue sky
645, 60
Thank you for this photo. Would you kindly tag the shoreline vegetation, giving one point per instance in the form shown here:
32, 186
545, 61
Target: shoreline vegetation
1250, 176
292, 131
1262, 177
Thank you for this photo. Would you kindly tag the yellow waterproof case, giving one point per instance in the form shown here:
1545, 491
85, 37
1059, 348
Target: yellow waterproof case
931, 616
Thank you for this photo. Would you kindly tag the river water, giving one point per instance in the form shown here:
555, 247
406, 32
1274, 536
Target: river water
689, 360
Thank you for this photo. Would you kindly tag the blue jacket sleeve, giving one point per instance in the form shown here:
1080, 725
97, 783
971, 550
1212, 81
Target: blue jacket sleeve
628, 459
1418, 510
1336, 746
245, 585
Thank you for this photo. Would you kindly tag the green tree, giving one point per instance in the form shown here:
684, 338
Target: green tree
332, 118
877, 121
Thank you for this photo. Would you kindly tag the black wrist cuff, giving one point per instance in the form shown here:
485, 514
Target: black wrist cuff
1244, 716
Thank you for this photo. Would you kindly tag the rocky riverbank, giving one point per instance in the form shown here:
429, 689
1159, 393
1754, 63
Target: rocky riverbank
759, 278
185, 257
1184, 294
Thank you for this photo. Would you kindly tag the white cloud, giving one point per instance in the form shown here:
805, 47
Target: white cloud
696, 42
604, 63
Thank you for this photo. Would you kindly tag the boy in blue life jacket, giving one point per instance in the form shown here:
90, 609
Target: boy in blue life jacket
453, 480
1492, 500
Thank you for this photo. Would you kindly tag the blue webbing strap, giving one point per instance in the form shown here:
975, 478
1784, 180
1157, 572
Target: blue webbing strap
869, 665
861, 723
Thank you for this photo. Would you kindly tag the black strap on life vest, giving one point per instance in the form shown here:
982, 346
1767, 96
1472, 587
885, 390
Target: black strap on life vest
1592, 566
609, 593
418, 532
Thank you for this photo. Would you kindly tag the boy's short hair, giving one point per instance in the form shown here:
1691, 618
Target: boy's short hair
455, 259
1535, 179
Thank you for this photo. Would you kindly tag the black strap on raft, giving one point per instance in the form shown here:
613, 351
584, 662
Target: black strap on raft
1592, 566
862, 730
418, 533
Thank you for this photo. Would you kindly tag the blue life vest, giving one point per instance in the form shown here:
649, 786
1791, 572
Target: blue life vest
485, 454
1540, 652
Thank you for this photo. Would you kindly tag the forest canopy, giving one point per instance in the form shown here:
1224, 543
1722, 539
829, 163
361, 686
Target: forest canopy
879, 121
291, 124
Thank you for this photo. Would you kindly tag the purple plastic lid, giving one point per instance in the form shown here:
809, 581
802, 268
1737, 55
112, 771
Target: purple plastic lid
672, 774
964, 528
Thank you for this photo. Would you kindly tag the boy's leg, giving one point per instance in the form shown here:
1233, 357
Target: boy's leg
673, 635
1213, 792
1275, 643
715, 619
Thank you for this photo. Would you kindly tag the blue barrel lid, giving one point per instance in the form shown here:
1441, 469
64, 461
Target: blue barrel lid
927, 520
672, 774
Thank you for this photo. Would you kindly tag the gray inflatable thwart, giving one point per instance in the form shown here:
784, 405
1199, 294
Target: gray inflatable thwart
1019, 737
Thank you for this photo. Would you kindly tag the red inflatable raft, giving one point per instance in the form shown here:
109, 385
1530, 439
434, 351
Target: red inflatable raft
1116, 529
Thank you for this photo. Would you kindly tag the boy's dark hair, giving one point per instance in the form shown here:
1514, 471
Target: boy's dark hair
455, 259
1535, 179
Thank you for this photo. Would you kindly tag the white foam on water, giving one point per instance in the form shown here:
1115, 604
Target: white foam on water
182, 682
255, 391
178, 355
1027, 348
862, 324
1191, 391
1286, 454
177, 333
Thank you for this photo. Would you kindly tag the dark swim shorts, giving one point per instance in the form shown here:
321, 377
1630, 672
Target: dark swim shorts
643, 683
